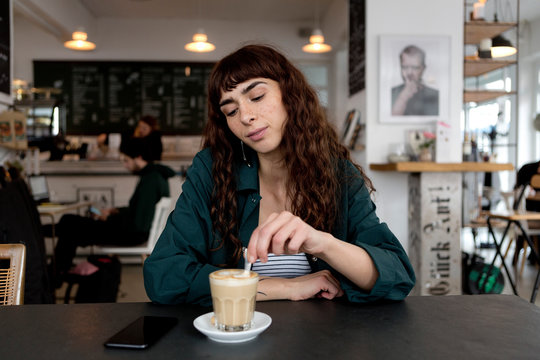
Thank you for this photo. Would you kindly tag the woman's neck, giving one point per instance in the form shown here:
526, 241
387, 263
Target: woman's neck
273, 177
272, 169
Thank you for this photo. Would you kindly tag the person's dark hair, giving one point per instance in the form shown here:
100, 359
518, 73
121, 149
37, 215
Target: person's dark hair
151, 121
135, 147
310, 144
413, 50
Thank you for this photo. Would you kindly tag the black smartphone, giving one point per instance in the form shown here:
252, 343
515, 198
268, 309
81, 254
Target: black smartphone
142, 333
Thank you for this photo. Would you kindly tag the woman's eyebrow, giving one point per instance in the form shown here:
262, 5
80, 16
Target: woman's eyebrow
251, 86
244, 91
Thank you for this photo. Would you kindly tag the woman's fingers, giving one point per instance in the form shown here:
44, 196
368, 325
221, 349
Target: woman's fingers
320, 284
261, 241
254, 241
283, 233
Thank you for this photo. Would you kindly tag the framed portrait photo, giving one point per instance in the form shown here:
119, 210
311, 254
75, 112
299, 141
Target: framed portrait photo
414, 78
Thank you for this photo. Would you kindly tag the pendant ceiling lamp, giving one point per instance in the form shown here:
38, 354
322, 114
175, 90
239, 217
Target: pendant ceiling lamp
316, 40
316, 43
200, 40
79, 42
501, 47
200, 43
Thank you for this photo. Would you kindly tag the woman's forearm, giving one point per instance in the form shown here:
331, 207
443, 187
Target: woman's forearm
350, 260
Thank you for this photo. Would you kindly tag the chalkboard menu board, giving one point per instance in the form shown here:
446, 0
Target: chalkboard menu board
112, 96
357, 46
5, 51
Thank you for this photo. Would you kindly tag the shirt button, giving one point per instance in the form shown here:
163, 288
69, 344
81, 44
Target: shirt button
253, 200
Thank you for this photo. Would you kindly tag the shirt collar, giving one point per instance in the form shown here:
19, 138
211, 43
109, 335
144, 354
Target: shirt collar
248, 177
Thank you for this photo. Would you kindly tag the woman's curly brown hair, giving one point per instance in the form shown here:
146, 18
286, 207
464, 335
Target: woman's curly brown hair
309, 144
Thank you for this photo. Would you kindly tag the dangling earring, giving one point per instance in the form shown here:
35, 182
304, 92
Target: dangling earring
248, 163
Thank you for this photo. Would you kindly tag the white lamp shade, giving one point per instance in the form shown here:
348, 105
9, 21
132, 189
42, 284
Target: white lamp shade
316, 43
79, 42
200, 43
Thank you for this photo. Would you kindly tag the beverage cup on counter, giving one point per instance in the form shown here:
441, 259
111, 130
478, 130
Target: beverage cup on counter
233, 298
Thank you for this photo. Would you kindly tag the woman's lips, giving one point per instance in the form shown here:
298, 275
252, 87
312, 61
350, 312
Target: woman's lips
257, 134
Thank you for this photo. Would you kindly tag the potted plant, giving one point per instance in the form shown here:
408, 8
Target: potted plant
426, 146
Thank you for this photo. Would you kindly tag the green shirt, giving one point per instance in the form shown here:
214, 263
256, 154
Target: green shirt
177, 271
153, 184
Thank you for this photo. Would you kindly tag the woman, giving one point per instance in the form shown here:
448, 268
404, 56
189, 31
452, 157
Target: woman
147, 128
273, 178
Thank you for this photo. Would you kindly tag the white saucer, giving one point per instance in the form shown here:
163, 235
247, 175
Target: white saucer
261, 322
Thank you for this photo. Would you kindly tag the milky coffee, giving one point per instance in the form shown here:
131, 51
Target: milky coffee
233, 297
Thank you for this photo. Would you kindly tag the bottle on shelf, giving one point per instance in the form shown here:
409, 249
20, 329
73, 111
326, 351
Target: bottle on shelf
474, 148
467, 148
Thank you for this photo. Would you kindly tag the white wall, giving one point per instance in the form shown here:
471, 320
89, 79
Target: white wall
529, 62
412, 17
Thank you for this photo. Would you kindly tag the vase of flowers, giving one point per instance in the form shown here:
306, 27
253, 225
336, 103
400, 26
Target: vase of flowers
426, 148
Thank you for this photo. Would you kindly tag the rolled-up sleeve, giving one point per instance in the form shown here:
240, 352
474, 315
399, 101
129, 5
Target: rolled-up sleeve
177, 270
363, 228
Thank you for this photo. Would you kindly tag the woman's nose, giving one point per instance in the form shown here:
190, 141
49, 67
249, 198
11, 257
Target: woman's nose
247, 114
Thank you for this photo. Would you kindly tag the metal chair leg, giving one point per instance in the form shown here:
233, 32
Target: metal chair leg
498, 252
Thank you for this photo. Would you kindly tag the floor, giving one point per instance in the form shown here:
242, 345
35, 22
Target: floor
132, 288
131, 285
524, 282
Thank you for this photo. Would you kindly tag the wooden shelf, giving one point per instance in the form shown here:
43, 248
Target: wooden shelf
483, 66
478, 30
428, 166
13, 147
484, 95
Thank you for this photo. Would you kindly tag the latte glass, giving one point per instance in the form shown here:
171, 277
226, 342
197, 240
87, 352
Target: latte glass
233, 297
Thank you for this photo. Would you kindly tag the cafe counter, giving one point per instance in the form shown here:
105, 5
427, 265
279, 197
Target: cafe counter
104, 183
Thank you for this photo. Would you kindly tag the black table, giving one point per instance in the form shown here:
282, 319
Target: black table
446, 327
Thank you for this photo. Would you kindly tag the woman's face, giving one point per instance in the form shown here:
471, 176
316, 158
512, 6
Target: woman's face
143, 129
255, 114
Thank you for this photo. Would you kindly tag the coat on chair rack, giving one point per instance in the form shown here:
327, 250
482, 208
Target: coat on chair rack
20, 223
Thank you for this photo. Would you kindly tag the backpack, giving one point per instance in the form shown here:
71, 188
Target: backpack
479, 277
102, 286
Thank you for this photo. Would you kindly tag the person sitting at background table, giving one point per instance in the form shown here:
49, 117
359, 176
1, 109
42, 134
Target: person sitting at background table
125, 226
274, 178
147, 128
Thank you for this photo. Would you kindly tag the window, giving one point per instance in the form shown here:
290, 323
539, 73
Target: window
317, 76
490, 123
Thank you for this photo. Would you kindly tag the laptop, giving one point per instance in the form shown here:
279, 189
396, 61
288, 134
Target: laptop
39, 188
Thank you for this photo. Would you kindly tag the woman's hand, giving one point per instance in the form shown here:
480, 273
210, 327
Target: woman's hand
321, 284
284, 233
105, 213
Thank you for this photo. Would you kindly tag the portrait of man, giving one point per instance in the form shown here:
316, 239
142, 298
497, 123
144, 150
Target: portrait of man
414, 78
413, 97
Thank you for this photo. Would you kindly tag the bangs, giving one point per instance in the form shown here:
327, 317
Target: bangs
247, 63
235, 71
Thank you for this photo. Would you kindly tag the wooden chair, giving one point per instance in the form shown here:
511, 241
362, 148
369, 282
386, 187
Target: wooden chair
12, 275
161, 213
520, 219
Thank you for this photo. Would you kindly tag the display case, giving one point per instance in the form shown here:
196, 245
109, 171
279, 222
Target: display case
45, 118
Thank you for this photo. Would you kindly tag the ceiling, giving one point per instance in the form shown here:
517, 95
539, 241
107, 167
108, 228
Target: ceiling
227, 10
231, 10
